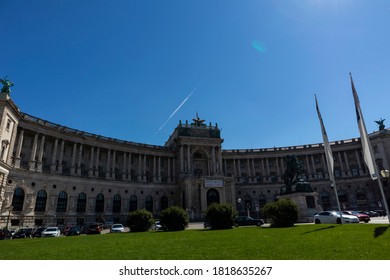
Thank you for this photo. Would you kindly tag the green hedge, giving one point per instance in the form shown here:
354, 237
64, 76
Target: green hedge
221, 216
174, 218
140, 220
283, 213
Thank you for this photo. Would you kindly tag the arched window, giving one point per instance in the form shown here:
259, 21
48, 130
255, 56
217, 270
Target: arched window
81, 203
133, 203
62, 202
343, 199
164, 203
149, 203
262, 201
99, 206
18, 199
361, 198
116, 206
40, 204
325, 200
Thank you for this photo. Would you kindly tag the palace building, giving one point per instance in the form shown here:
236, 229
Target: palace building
51, 174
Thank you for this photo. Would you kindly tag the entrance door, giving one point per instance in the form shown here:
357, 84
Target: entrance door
212, 196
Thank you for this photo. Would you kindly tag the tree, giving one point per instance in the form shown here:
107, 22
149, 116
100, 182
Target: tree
221, 216
283, 213
140, 220
174, 218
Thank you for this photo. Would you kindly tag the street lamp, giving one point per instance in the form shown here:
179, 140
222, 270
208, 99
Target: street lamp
239, 205
385, 174
248, 206
10, 208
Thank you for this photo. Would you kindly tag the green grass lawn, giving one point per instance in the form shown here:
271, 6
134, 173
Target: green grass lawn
302, 242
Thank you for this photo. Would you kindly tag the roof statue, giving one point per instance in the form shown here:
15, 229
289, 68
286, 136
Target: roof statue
381, 124
7, 84
198, 121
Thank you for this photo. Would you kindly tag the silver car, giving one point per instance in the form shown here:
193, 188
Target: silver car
51, 232
117, 228
333, 217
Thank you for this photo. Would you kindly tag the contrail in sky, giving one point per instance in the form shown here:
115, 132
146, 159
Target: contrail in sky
178, 108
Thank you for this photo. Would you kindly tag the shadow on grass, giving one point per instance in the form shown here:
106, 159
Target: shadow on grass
380, 230
319, 229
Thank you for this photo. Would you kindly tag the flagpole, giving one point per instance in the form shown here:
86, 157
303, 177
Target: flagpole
367, 149
329, 158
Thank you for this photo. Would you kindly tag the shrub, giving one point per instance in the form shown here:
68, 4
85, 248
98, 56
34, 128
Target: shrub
283, 213
140, 220
174, 218
221, 216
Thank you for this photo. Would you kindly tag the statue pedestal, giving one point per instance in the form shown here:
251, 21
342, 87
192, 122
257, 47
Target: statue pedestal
306, 203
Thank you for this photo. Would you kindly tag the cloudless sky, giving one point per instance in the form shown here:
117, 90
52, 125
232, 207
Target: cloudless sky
122, 68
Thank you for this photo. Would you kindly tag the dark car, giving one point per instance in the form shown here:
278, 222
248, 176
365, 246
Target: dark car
24, 233
94, 229
5, 234
38, 232
247, 221
74, 231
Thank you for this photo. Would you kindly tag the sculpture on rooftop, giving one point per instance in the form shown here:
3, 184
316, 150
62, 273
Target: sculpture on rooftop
7, 84
198, 121
381, 124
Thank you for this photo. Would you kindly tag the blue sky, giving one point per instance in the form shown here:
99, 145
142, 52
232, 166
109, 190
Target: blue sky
121, 68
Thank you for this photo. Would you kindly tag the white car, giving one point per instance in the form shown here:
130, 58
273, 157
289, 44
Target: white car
117, 228
51, 232
333, 217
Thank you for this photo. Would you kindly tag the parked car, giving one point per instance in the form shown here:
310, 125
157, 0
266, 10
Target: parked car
117, 228
247, 221
156, 225
362, 217
5, 234
38, 232
24, 233
333, 217
94, 229
51, 232
74, 231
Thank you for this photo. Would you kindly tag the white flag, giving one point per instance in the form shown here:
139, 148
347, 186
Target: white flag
366, 145
328, 151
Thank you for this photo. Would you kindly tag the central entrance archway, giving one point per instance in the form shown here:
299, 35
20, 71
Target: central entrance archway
212, 197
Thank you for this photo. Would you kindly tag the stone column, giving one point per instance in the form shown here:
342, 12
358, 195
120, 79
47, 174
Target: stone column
279, 175
79, 160
113, 168
53, 166
73, 164
139, 168
214, 171
91, 160
341, 165
314, 167
159, 170
144, 171
97, 163
108, 168
189, 159
129, 168
19, 149
40, 154
347, 162
181, 159
359, 162
31, 164
61, 156
169, 170
154, 170
124, 166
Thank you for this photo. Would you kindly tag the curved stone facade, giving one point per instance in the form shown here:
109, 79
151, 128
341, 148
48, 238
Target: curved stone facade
52, 174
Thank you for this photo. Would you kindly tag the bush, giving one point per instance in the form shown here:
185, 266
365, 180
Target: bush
221, 216
283, 213
174, 218
140, 220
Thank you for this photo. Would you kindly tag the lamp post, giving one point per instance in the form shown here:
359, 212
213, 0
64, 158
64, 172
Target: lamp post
386, 174
239, 205
10, 208
248, 207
